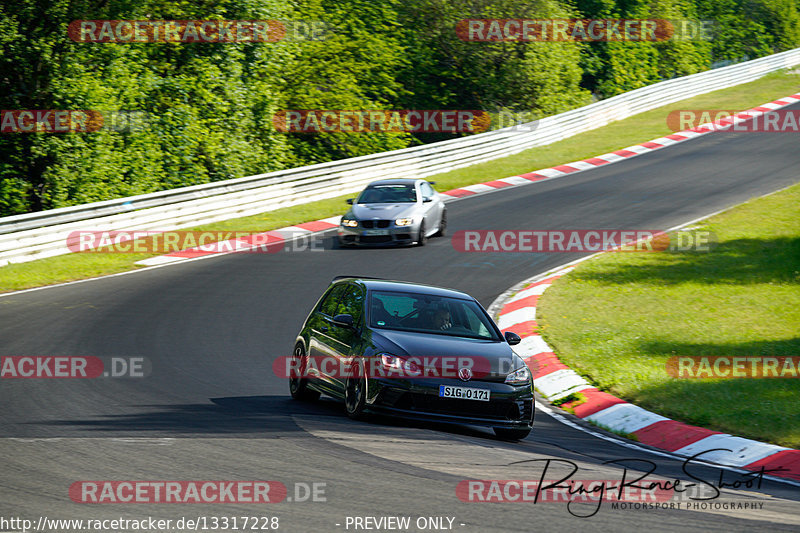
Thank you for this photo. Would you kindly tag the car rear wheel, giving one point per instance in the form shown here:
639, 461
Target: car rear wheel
422, 238
355, 392
298, 387
442, 225
511, 434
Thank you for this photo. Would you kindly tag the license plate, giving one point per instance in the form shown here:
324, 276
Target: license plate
376, 232
463, 393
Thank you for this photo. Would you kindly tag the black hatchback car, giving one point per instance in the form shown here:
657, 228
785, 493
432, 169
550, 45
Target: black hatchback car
414, 351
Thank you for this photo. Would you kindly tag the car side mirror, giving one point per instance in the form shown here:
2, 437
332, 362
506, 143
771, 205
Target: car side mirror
512, 338
345, 321
427, 199
349, 201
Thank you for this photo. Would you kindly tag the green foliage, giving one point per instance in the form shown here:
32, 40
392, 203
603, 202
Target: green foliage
751, 28
576, 397
209, 107
536, 78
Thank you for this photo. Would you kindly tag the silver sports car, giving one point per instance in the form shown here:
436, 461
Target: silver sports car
398, 211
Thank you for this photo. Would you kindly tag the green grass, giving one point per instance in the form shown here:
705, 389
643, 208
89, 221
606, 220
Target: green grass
619, 317
640, 128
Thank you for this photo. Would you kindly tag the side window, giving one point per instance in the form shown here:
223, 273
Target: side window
427, 190
352, 303
476, 325
330, 303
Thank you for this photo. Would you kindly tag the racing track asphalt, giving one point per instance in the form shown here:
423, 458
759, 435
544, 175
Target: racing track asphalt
213, 409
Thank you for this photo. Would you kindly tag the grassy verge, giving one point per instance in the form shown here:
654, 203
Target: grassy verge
619, 317
640, 128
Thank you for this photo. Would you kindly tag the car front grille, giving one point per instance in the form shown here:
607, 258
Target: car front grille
375, 239
369, 224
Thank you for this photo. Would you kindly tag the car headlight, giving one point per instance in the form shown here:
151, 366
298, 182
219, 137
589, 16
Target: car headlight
399, 365
519, 376
350, 223
404, 221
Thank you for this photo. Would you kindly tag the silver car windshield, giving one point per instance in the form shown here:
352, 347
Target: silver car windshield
388, 194
425, 313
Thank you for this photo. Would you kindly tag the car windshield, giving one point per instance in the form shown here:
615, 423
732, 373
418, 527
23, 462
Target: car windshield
425, 313
388, 194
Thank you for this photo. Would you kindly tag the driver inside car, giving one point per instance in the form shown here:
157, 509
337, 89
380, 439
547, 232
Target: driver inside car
441, 319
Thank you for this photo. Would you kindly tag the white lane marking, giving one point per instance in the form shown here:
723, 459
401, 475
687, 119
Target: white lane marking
581, 165
517, 316
611, 158
560, 383
532, 345
160, 260
515, 180
536, 290
551, 172
625, 417
742, 451
479, 187
637, 149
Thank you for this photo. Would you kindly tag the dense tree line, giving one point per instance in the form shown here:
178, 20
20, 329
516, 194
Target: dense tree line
205, 110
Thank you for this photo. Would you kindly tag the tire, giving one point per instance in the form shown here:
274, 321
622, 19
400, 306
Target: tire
511, 434
442, 225
422, 238
298, 387
355, 392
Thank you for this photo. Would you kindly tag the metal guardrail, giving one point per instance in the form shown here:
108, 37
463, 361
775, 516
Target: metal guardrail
43, 234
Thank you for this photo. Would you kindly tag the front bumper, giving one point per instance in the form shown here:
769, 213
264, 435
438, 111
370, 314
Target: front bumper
509, 406
395, 235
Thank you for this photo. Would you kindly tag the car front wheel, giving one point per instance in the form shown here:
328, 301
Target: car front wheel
422, 238
442, 225
355, 392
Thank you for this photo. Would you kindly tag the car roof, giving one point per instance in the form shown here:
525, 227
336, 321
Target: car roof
403, 286
395, 181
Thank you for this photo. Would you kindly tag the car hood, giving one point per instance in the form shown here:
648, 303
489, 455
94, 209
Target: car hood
382, 211
493, 360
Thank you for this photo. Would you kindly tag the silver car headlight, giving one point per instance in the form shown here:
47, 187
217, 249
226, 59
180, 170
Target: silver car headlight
349, 223
519, 376
404, 221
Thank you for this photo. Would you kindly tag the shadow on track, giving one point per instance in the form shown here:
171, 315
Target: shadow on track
234, 416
